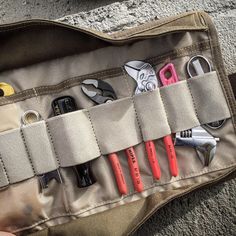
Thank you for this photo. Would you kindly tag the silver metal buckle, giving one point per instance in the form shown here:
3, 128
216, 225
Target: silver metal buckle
195, 64
47, 177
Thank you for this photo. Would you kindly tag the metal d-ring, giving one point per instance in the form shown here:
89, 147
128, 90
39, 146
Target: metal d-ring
216, 125
195, 58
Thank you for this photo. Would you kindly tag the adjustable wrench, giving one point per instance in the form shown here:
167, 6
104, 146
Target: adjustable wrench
145, 77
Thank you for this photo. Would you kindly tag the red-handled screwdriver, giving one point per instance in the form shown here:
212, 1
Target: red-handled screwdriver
152, 158
119, 175
134, 169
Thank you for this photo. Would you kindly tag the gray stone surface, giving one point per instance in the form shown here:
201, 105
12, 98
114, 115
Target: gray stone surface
126, 14
211, 211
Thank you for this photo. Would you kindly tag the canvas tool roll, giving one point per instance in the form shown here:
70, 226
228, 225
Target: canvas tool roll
43, 60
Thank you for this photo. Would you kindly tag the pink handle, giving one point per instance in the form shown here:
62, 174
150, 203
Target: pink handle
172, 78
169, 70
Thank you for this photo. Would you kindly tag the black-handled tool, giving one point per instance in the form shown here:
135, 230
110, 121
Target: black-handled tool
83, 172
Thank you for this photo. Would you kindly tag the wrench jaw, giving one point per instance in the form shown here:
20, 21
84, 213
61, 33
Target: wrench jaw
206, 153
144, 75
90, 94
107, 93
94, 96
200, 139
92, 82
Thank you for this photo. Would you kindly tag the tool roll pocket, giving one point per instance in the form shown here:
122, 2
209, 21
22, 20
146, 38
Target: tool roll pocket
58, 145
112, 127
79, 144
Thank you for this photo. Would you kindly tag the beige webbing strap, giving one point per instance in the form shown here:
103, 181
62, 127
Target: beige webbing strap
84, 135
15, 157
39, 147
73, 138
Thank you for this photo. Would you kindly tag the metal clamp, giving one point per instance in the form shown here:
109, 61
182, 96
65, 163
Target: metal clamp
195, 63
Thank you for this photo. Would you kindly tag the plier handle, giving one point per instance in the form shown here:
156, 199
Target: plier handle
107, 94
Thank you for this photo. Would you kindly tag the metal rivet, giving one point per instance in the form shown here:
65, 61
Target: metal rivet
30, 117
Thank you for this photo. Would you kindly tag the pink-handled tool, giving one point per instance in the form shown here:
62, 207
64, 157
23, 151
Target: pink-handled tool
169, 76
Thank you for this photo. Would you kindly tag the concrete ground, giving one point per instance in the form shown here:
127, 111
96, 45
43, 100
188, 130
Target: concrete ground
211, 211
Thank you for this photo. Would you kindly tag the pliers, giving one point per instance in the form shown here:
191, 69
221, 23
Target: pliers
107, 94
146, 80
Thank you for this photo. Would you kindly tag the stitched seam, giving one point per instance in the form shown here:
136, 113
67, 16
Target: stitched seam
193, 102
227, 93
90, 120
137, 118
146, 26
54, 24
104, 73
4, 168
154, 25
226, 89
39, 103
26, 25
27, 91
198, 47
126, 81
165, 110
155, 185
52, 143
27, 150
73, 82
160, 31
52, 89
204, 45
134, 106
193, 16
64, 197
181, 52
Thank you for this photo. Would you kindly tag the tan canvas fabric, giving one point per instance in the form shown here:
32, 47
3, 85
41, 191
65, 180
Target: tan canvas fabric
50, 70
88, 134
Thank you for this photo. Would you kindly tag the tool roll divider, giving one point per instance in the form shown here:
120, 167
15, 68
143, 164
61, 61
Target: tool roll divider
81, 136
78, 144
39, 149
